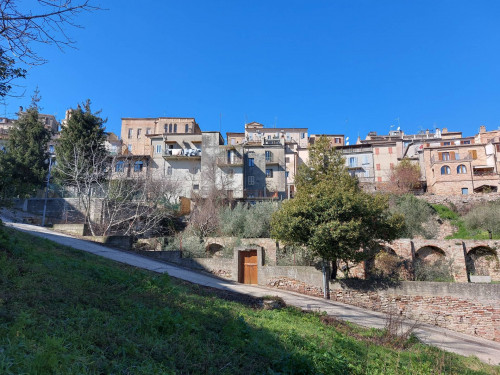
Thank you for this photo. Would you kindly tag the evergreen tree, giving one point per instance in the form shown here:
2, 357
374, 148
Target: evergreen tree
330, 214
24, 165
81, 143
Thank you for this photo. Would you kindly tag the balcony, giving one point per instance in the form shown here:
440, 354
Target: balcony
270, 159
272, 142
230, 161
454, 157
484, 172
182, 154
260, 194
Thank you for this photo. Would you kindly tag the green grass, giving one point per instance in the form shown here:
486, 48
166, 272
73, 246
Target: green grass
446, 213
68, 312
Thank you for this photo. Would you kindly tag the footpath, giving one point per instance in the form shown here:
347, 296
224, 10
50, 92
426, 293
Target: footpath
487, 351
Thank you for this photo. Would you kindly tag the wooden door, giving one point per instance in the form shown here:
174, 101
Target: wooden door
248, 267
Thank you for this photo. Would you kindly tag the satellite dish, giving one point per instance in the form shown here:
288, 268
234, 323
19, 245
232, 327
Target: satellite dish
347, 143
347, 138
398, 128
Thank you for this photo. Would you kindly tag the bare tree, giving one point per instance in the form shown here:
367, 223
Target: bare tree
127, 206
25, 23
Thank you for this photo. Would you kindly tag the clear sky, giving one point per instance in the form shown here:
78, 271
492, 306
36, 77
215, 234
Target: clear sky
343, 67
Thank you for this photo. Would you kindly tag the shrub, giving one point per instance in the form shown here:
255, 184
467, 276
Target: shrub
444, 212
247, 221
440, 270
418, 216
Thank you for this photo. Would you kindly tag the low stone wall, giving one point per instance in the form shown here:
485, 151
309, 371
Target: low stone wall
119, 242
222, 267
462, 202
78, 229
473, 309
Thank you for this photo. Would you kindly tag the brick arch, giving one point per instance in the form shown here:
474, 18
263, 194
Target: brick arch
482, 260
430, 253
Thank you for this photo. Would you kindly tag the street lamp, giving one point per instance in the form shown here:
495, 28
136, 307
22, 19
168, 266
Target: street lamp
47, 189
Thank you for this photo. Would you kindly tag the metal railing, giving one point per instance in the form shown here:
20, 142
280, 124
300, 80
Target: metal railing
458, 158
182, 152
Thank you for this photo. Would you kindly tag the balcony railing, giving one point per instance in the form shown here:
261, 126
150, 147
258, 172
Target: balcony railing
449, 159
233, 160
260, 194
480, 173
183, 153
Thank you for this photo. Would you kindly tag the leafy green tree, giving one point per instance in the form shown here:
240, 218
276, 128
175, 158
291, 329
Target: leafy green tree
484, 217
24, 166
330, 214
8, 72
81, 145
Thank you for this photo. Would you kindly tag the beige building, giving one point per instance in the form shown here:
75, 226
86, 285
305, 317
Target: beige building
135, 131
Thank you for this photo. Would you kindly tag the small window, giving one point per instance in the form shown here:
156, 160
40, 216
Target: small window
377, 150
287, 159
175, 128
119, 166
148, 131
287, 174
302, 135
446, 143
337, 140
378, 167
51, 149
251, 180
390, 150
465, 142
138, 166
130, 132
353, 162
461, 169
139, 133
465, 191
165, 128
446, 155
379, 179
169, 171
196, 187
269, 173
170, 128
445, 169
269, 156
251, 162
129, 148
186, 128
158, 149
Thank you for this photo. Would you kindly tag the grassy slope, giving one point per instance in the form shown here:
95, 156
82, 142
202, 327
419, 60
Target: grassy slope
64, 311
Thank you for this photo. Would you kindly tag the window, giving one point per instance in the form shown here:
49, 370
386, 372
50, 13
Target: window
269, 173
119, 166
138, 166
446, 143
196, 187
169, 171
287, 159
251, 162
129, 148
390, 150
365, 159
379, 179
158, 149
233, 141
445, 170
377, 151
302, 135
165, 128
130, 132
287, 174
288, 136
170, 128
353, 162
461, 169
378, 167
465, 142
186, 128
269, 156
473, 154
251, 180
175, 128
465, 191
148, 131
337, 140
446, 156
139, 133
51, 149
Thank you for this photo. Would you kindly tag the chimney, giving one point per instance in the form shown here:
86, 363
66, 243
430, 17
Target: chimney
445, 130
482, 129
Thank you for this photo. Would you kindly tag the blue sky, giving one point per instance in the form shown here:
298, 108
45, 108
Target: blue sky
345, 67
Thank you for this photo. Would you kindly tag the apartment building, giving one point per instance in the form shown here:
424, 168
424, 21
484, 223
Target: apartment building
360, 163
461, 166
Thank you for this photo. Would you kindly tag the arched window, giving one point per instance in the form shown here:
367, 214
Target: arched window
445, 170
138, 166
170, 128
119, 166
186, 128
175, 128
461, 169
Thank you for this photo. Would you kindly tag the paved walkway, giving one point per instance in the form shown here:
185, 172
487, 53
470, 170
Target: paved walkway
485, 350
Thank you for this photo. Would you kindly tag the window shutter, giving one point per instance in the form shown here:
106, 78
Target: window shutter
440, 156
452, 156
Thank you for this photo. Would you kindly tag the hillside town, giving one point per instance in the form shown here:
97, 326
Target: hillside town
260, 162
